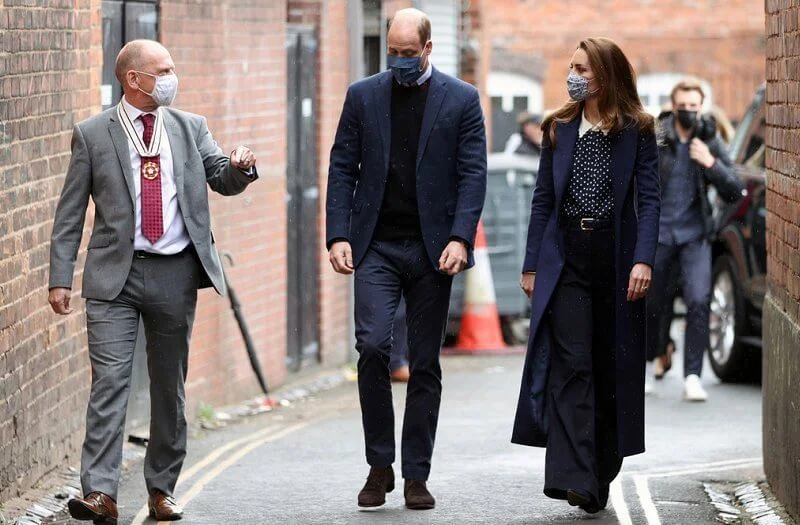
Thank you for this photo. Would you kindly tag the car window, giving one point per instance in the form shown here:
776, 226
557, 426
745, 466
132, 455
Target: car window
755, 148
747, 146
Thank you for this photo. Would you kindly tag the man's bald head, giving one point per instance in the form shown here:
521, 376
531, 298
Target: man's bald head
406, 20
137, 55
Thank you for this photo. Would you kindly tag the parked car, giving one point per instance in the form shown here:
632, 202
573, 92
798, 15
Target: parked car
506, 213
740, 257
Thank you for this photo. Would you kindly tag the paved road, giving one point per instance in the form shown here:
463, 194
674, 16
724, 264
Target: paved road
304, 464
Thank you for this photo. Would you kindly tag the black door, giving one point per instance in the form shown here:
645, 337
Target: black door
302, 198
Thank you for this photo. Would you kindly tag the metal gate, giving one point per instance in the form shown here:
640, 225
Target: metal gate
302, 192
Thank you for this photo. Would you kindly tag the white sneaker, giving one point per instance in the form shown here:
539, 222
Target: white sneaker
693, 389
648, 387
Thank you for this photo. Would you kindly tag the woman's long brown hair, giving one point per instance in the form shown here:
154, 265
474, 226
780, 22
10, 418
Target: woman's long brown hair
618, 99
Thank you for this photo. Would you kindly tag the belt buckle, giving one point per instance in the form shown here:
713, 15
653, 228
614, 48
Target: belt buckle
587, 227
140, 254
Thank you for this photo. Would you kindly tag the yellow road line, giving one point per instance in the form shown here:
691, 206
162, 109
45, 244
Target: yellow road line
253, 441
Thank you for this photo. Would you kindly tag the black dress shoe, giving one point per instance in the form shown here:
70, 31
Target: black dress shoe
587, 503
379, 482
417, 495
597, 506
579, 498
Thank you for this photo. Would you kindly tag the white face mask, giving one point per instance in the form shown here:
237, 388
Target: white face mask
165, 90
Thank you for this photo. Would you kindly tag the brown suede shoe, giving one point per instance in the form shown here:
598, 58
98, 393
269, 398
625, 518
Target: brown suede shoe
379, 482
163, 507
96, 506
417, 495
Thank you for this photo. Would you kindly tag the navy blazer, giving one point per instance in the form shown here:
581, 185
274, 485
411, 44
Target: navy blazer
451, 164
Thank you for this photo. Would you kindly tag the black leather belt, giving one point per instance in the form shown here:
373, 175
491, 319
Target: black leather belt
588, 224
141, 254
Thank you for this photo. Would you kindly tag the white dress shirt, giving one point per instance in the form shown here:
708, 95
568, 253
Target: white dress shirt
175, 237
586, 125
425, 74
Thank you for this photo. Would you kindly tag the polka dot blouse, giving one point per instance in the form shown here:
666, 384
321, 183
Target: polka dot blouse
589, 193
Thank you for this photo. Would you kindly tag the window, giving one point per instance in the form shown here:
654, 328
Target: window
747, 146
123, 21
655, 89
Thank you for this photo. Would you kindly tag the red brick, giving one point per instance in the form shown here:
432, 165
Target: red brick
722, 42
47, 82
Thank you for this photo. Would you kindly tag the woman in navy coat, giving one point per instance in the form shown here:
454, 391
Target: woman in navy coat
590, 251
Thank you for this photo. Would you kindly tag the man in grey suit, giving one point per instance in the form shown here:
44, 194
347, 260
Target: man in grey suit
146, 167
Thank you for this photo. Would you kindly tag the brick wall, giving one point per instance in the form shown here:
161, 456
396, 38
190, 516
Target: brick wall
49, 80
240, 85
390, 7
782, 306
231, 61
719, 41
334, 76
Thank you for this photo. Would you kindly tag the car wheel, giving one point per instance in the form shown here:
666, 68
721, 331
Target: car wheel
730, 358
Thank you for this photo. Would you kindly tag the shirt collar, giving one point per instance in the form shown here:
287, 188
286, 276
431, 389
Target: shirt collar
588, 126
425, 74
132, 111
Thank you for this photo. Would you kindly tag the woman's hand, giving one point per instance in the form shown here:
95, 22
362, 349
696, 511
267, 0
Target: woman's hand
526, 283
639, 282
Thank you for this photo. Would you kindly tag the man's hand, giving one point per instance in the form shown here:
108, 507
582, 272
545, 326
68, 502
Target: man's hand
454, 258
699, 152
242, 158
59, 300
527, 282
341, 256
639, 282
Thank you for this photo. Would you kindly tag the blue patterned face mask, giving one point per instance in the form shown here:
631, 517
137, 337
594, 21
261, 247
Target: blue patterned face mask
578, 87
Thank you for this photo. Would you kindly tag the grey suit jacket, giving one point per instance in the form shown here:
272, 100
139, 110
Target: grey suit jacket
100, 167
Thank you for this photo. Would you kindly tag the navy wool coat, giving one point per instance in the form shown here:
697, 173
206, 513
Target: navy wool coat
637, 202
451, 164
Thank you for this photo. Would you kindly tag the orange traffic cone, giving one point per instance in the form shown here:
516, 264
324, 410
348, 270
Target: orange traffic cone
480, 321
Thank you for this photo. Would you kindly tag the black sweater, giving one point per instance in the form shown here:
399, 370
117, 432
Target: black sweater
399, 217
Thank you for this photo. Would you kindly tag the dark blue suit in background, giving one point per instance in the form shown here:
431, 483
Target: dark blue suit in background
450, 190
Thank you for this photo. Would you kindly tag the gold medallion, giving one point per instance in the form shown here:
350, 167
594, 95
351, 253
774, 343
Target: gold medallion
150, 170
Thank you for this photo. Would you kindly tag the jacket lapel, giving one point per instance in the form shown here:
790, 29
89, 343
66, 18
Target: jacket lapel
623, 156
120, 141
566, 137
436, 95
382, 96
178, 148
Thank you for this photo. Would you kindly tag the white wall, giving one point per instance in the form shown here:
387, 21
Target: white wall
509, 85
445, 16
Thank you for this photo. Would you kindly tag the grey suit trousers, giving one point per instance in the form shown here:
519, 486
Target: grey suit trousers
163, 292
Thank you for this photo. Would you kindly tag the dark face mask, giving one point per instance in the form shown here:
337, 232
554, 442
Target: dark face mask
406, 70
687, 118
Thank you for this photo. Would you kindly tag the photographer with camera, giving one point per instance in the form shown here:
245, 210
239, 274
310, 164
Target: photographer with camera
691, 158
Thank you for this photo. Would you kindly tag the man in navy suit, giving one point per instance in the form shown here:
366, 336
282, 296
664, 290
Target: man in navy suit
406, 187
